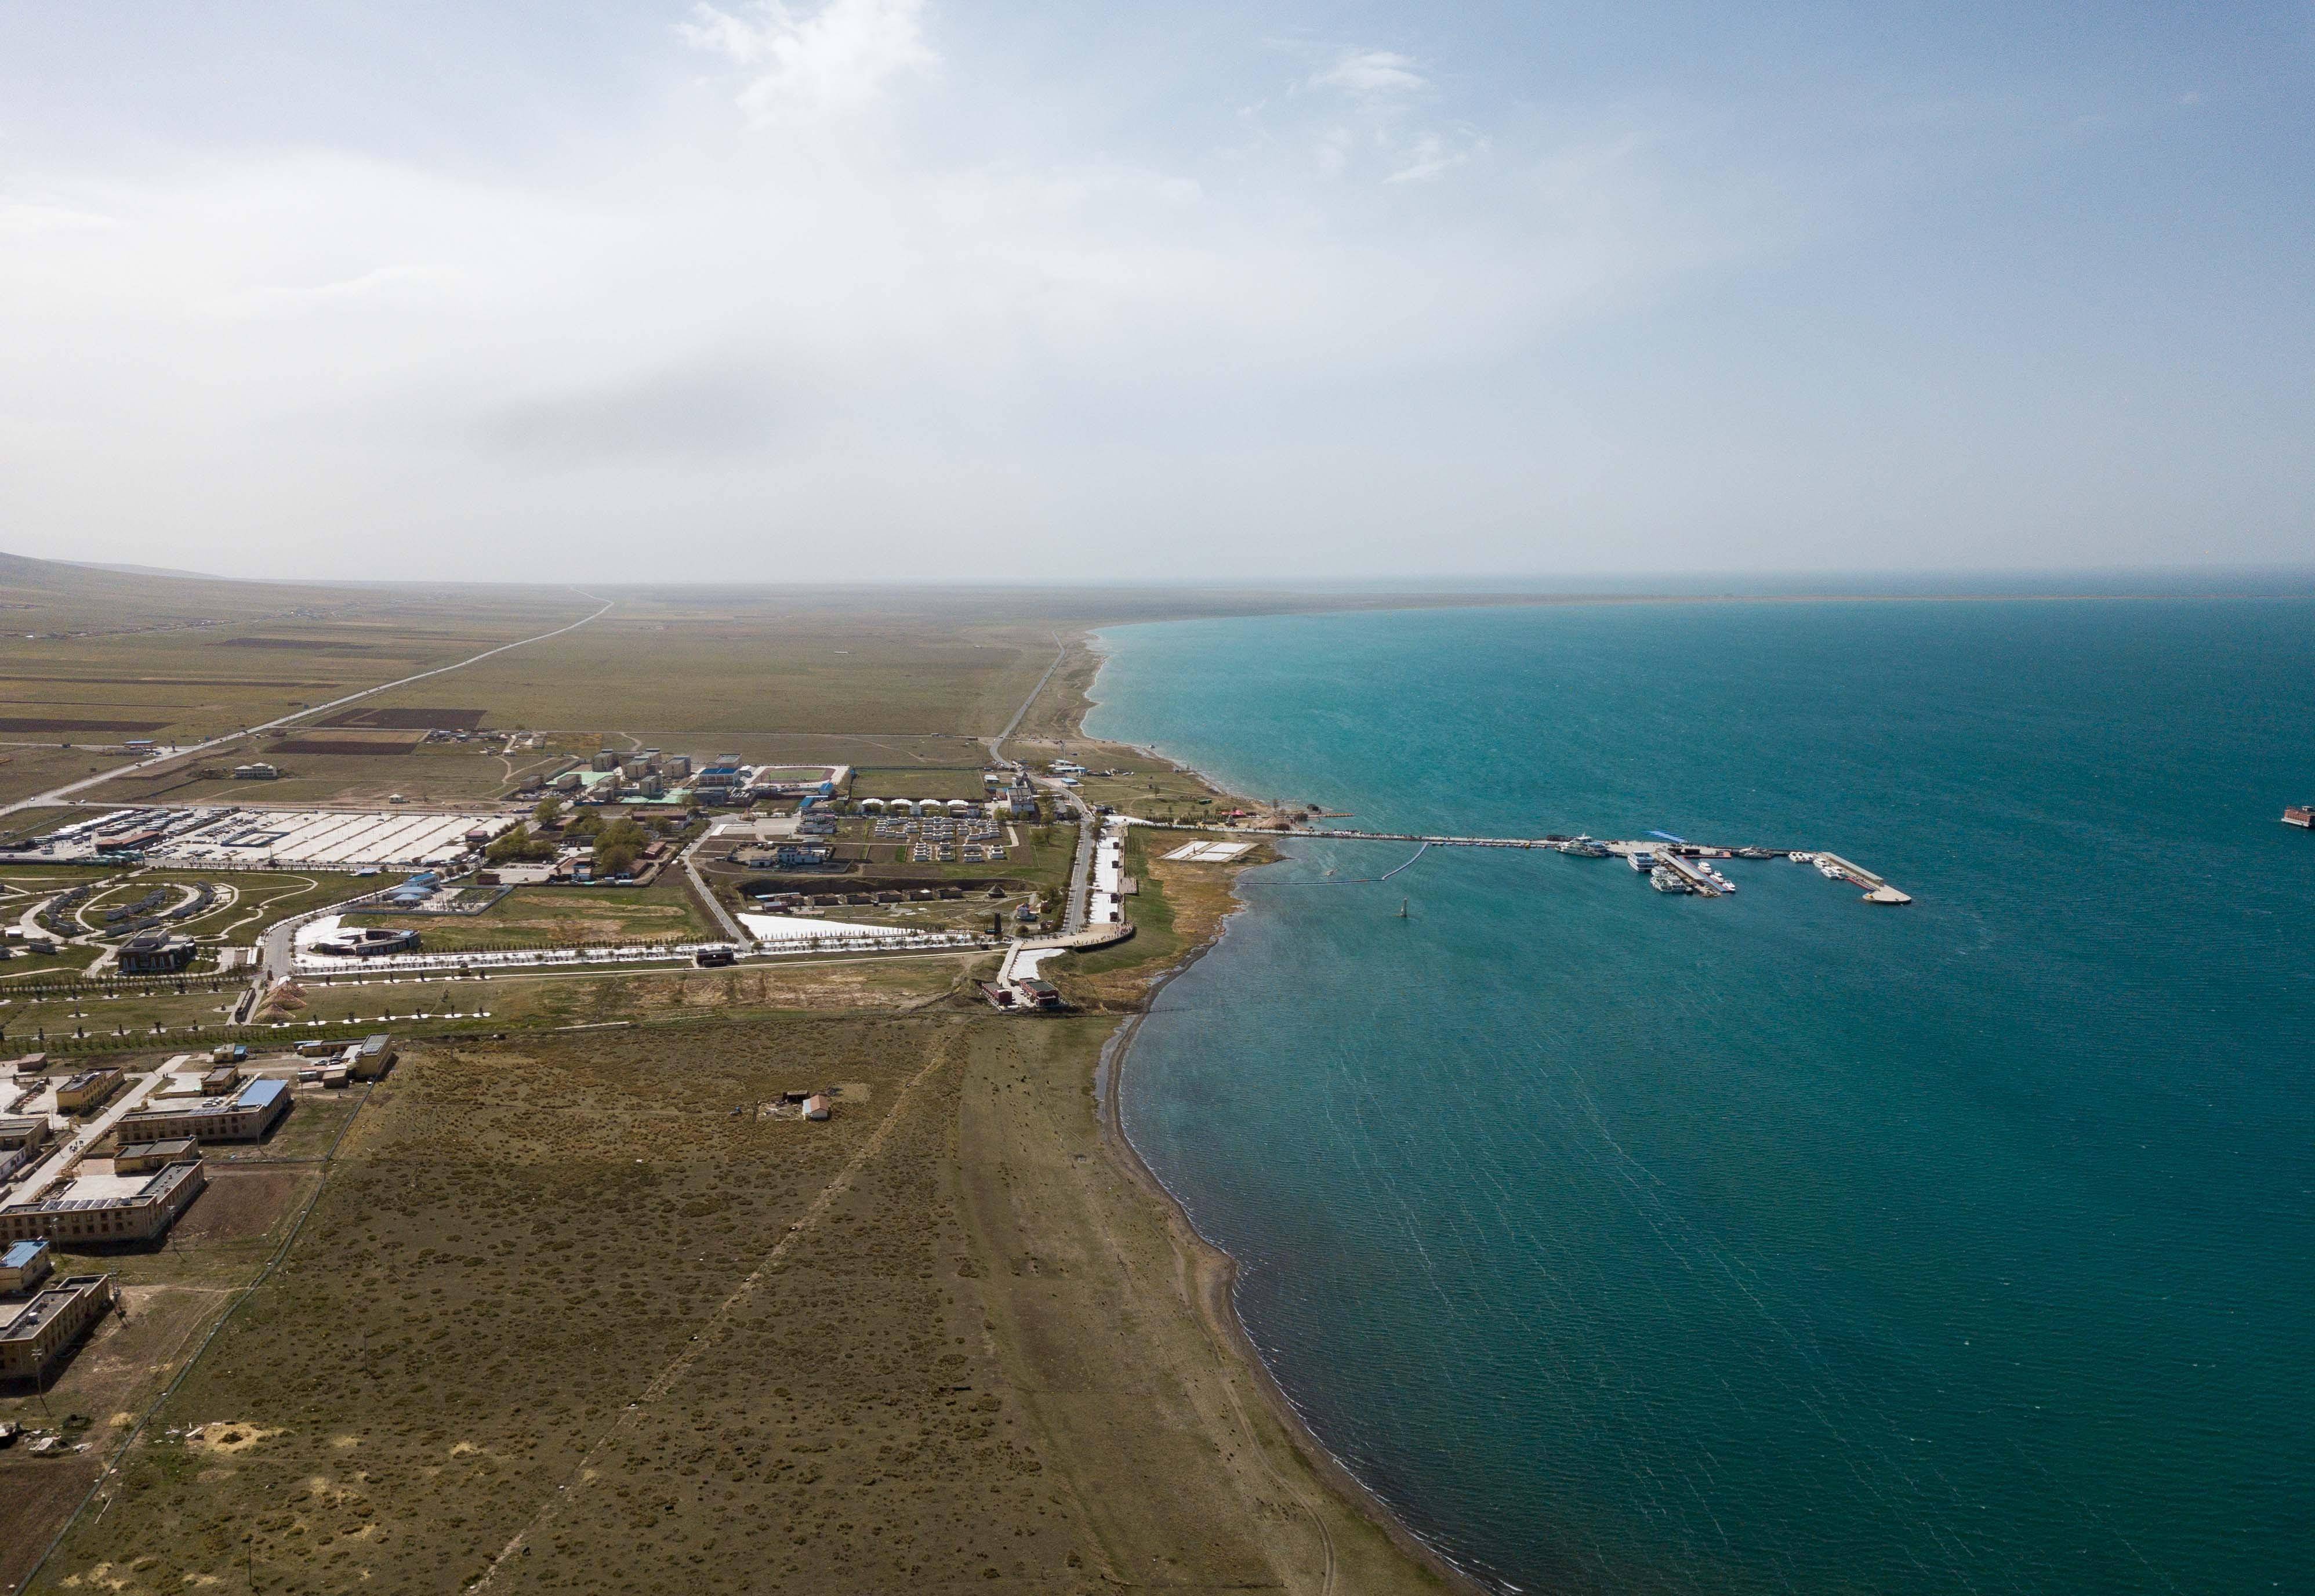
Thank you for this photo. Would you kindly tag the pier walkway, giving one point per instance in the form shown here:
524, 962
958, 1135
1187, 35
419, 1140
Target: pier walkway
1876, 889
1555, 844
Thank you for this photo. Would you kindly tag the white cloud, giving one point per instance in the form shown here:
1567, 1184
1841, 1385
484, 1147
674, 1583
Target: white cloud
1383, 134
1428, 154
896, 334
379, 286
1373, 73
835, 59
25, 219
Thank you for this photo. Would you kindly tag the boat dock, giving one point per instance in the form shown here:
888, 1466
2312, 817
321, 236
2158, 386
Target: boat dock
1699, 880
1877, 890
1690, 877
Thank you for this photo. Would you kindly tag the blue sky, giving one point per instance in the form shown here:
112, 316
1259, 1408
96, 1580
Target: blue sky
927, 289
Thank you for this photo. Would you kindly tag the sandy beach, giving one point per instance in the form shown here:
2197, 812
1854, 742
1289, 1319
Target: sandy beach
1359, 1544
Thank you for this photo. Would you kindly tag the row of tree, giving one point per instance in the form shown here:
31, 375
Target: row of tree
619, 841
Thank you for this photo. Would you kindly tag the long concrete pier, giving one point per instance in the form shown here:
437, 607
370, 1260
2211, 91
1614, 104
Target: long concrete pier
1273, 832
1876, 889
1553, 844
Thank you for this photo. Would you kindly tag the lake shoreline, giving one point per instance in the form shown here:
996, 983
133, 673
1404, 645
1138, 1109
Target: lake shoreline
1213, 1271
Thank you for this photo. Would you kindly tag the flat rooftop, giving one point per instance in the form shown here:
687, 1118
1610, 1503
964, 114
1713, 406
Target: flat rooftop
174, 1145
258, 1094
91, 1185
86, 1191
28, 1320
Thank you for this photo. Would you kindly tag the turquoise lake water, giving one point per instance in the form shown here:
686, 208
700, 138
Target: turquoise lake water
1777, 1242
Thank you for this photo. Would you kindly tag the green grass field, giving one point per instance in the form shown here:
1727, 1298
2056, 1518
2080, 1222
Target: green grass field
559, 916
884, 781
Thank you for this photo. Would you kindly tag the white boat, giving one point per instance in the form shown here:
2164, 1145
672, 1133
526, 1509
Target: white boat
1641, 859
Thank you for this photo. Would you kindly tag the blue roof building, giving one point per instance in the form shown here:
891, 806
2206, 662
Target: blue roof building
24, 1265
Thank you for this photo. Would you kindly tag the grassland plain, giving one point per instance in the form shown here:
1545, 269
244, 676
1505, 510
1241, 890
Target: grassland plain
28, 769
774, 667
560, 916
436, 774
200, 682
930, 1344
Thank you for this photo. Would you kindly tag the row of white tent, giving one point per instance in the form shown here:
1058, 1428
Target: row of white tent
915, 806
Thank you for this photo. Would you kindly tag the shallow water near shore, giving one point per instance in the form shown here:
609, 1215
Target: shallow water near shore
1778, 1242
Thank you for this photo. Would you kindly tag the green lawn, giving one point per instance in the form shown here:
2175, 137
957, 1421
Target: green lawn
1154, 939
559, 916
268, 897
902, 781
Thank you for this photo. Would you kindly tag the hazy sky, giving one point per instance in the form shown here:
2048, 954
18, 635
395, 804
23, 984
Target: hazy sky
939, 288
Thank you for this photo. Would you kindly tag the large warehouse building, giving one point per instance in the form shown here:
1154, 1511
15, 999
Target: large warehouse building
34, 1338
246, 1116
106, 1208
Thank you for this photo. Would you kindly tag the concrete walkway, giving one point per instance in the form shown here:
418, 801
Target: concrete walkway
67, 1152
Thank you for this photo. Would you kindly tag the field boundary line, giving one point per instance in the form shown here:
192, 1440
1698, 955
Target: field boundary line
706, 1336
46, 799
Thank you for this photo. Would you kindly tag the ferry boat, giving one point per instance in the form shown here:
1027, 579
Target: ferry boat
2301, 815
1663, 878
1589, 848
1641, 859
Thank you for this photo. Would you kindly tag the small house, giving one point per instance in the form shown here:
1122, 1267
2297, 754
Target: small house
24, 1265
155, 952
87, 1089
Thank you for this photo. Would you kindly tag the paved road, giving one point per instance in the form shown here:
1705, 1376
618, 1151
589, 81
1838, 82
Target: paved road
60, 793
1060, 652
1073, 915
1081, 871
64, 1153
714, 905
277, 949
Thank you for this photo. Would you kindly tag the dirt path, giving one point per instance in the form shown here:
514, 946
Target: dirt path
706, 1337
